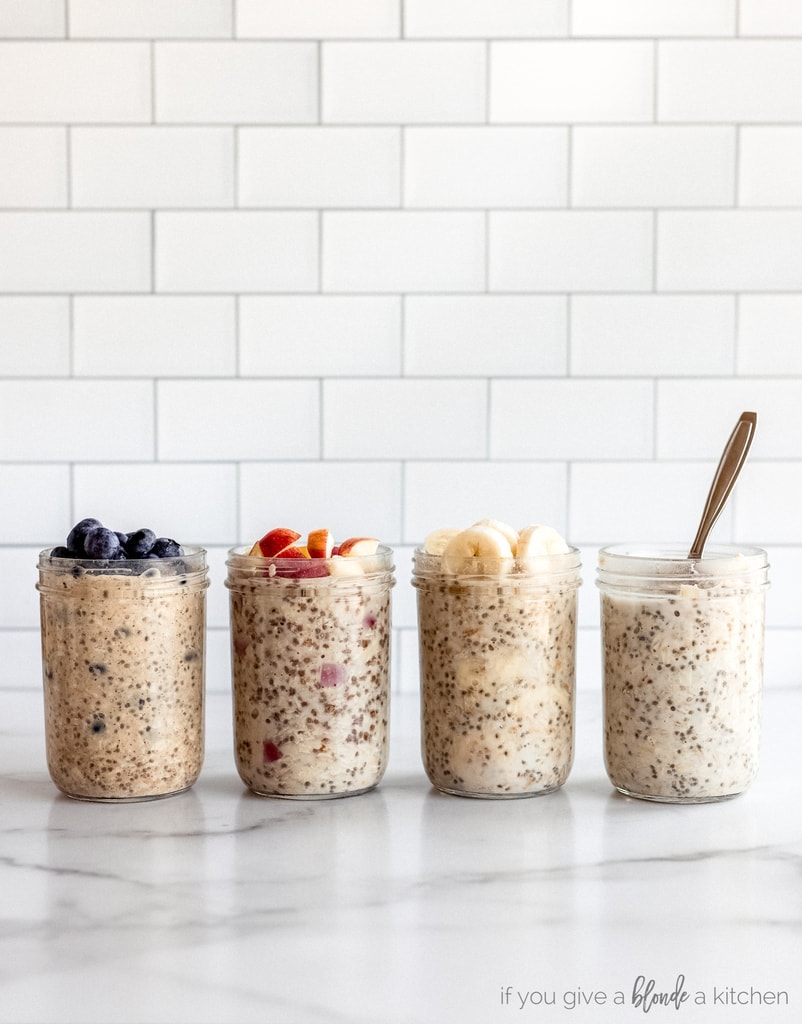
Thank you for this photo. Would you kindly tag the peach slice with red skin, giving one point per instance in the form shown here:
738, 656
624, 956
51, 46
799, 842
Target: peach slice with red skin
357, 547
275, 542
320, 543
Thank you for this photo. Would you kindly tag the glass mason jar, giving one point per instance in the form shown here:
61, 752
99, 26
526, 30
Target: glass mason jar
497, 673
310, 667
683, 670
123, 646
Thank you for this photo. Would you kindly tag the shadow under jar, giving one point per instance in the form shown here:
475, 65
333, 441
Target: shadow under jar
310, 666
497, 673
682, 645
123, 646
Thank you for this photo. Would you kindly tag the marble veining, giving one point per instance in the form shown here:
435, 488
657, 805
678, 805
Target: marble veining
401, 905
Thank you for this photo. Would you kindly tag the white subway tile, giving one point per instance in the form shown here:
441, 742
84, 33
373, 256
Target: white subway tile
404, 605
482, 18
19, 602
34, 336
723, 80
319, 167
72, 82
33, 167
236, 251
652, 335
407, 675
653, 17
411, 82
557, 81
236, 82
349, 498
33, 503
151, 19
32, 19
729, 250
20, 659
770, 167
403, 251
396, 419
784, 607
458, 493
154, 336
223, 419
74, 252
194, 503
320, 336
766, 501
570, 250
695, 417
769, 332
560, 419
152, 167
484, 335
53, 420
318, 19
771, 18
485, 166
653, 166
217, 613
781, 660
620, 502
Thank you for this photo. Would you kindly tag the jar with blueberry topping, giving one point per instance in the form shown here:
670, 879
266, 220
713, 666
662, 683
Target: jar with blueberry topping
310, 664
123, 644
682, 645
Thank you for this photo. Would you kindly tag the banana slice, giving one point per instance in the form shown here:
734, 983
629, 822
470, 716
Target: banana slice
535, 541
436, 542
505, 528
477, 549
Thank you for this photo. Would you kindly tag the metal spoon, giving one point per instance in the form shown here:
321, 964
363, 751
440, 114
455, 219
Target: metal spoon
730, 465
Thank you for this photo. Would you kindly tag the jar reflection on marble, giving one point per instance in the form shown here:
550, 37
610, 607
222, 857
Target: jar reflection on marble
310, 665
123, 645
497, 674
682, 646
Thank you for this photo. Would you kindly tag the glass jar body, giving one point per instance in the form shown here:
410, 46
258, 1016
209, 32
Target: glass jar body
682, 646
497, 676
123, 663
310, 665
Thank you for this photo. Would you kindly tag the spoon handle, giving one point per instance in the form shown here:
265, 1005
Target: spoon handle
730, 464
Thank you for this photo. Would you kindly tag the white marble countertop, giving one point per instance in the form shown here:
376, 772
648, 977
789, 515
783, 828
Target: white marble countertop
401, 905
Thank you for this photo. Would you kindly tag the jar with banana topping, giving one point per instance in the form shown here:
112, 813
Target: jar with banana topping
497, 645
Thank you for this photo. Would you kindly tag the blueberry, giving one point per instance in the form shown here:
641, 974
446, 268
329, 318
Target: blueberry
101, 543
140, 543
167, 548
62, 552
77, 535
122, 538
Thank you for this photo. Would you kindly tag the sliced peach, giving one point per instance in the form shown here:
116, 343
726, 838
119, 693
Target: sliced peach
292, 551
275, 541
356, 547
320, 543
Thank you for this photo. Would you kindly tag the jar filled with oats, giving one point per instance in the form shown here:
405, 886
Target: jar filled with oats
497, 645
682, 645
310, 663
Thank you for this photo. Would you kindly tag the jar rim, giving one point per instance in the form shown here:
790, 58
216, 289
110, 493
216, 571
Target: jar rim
671, 559
191, 563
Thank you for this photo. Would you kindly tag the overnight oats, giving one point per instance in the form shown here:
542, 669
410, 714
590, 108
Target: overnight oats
497, 640
123, 639
683, 670
310, 636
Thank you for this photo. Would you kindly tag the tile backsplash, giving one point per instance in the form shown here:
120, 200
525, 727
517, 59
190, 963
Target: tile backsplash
386, 265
